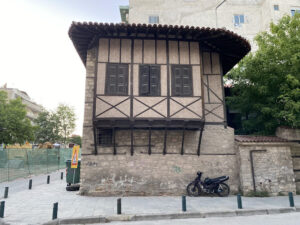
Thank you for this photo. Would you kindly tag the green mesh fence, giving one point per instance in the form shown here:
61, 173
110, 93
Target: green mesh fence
17, 163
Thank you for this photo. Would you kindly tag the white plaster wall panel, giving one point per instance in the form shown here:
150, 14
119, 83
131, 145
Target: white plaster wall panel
161, 52
137, 54
207, 63
184, 52
162, 107
112, 113
217, 109
101, 74
101, 106
126, 51
215, 63
150, 114
173, 52
216, 89
163, 80
103, 50
149, 51
197, 107
114, 54
205, 89
138, 107
185, 114
175, 107
135, 79
194, 53
196, 81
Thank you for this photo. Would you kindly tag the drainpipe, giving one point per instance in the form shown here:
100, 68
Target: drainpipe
252, 166
217, 13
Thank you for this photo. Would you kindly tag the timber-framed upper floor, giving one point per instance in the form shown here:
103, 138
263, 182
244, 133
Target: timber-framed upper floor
157, 75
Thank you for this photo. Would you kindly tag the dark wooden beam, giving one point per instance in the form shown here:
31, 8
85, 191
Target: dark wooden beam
182, 141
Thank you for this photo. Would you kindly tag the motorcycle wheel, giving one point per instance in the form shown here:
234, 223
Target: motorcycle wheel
223, 190
192, 189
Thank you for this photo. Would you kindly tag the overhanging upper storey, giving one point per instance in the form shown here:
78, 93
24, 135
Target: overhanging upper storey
231, 46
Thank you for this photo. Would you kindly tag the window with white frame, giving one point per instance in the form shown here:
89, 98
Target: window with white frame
153, 19
239, 19
295, 10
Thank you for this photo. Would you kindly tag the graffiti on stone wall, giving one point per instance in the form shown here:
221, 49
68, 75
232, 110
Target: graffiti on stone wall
177, 169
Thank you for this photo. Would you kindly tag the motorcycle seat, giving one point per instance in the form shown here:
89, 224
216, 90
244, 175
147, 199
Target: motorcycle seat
217, 179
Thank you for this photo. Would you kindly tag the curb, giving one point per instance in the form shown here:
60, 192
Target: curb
182, 215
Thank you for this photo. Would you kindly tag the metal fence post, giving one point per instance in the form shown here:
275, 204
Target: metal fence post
62, 175
239, 201
291, 199
6, 192
30, 184
2, 206
47, 161
28, 162
48, 179
55, 209
183, 203
119, 207
7, 156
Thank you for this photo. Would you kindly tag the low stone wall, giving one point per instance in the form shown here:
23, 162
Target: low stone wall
272, 167
157, 174
142, 174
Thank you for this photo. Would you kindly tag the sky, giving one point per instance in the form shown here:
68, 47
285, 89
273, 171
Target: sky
37, 55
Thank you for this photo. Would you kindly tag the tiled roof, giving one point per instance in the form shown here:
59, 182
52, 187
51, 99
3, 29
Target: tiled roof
233, 47
247, 138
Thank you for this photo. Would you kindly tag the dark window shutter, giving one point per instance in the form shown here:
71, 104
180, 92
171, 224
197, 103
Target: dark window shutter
186, 81
144, 80
116, 82
154, 80
111, 79
182, 82
122, 84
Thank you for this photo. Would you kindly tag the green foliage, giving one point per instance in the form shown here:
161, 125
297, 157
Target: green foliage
15, 127
76, 139
66, 118
55, 126
47, 128
267, 83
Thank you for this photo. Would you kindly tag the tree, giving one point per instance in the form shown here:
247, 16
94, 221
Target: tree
66, 121
267, 83
47, 128
76, 139
15, 127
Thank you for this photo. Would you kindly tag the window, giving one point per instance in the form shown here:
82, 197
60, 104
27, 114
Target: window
276, 7
116, 79
294, 11
149, 80
239, 19
153, 19
104, 137
182, 82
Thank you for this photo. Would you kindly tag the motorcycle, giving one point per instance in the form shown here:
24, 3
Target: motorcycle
209, 186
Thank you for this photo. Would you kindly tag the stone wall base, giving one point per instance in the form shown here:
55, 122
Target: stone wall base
141, 174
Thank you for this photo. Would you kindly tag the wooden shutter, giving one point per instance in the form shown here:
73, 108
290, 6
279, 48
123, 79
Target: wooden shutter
111, 79
182, 83
154, 80
176, 81
144, 80
122, 80
187, 85
116, 82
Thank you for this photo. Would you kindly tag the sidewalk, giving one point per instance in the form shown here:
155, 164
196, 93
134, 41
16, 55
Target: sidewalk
35, 206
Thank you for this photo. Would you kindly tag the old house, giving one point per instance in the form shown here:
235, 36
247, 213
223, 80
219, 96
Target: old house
154, 106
